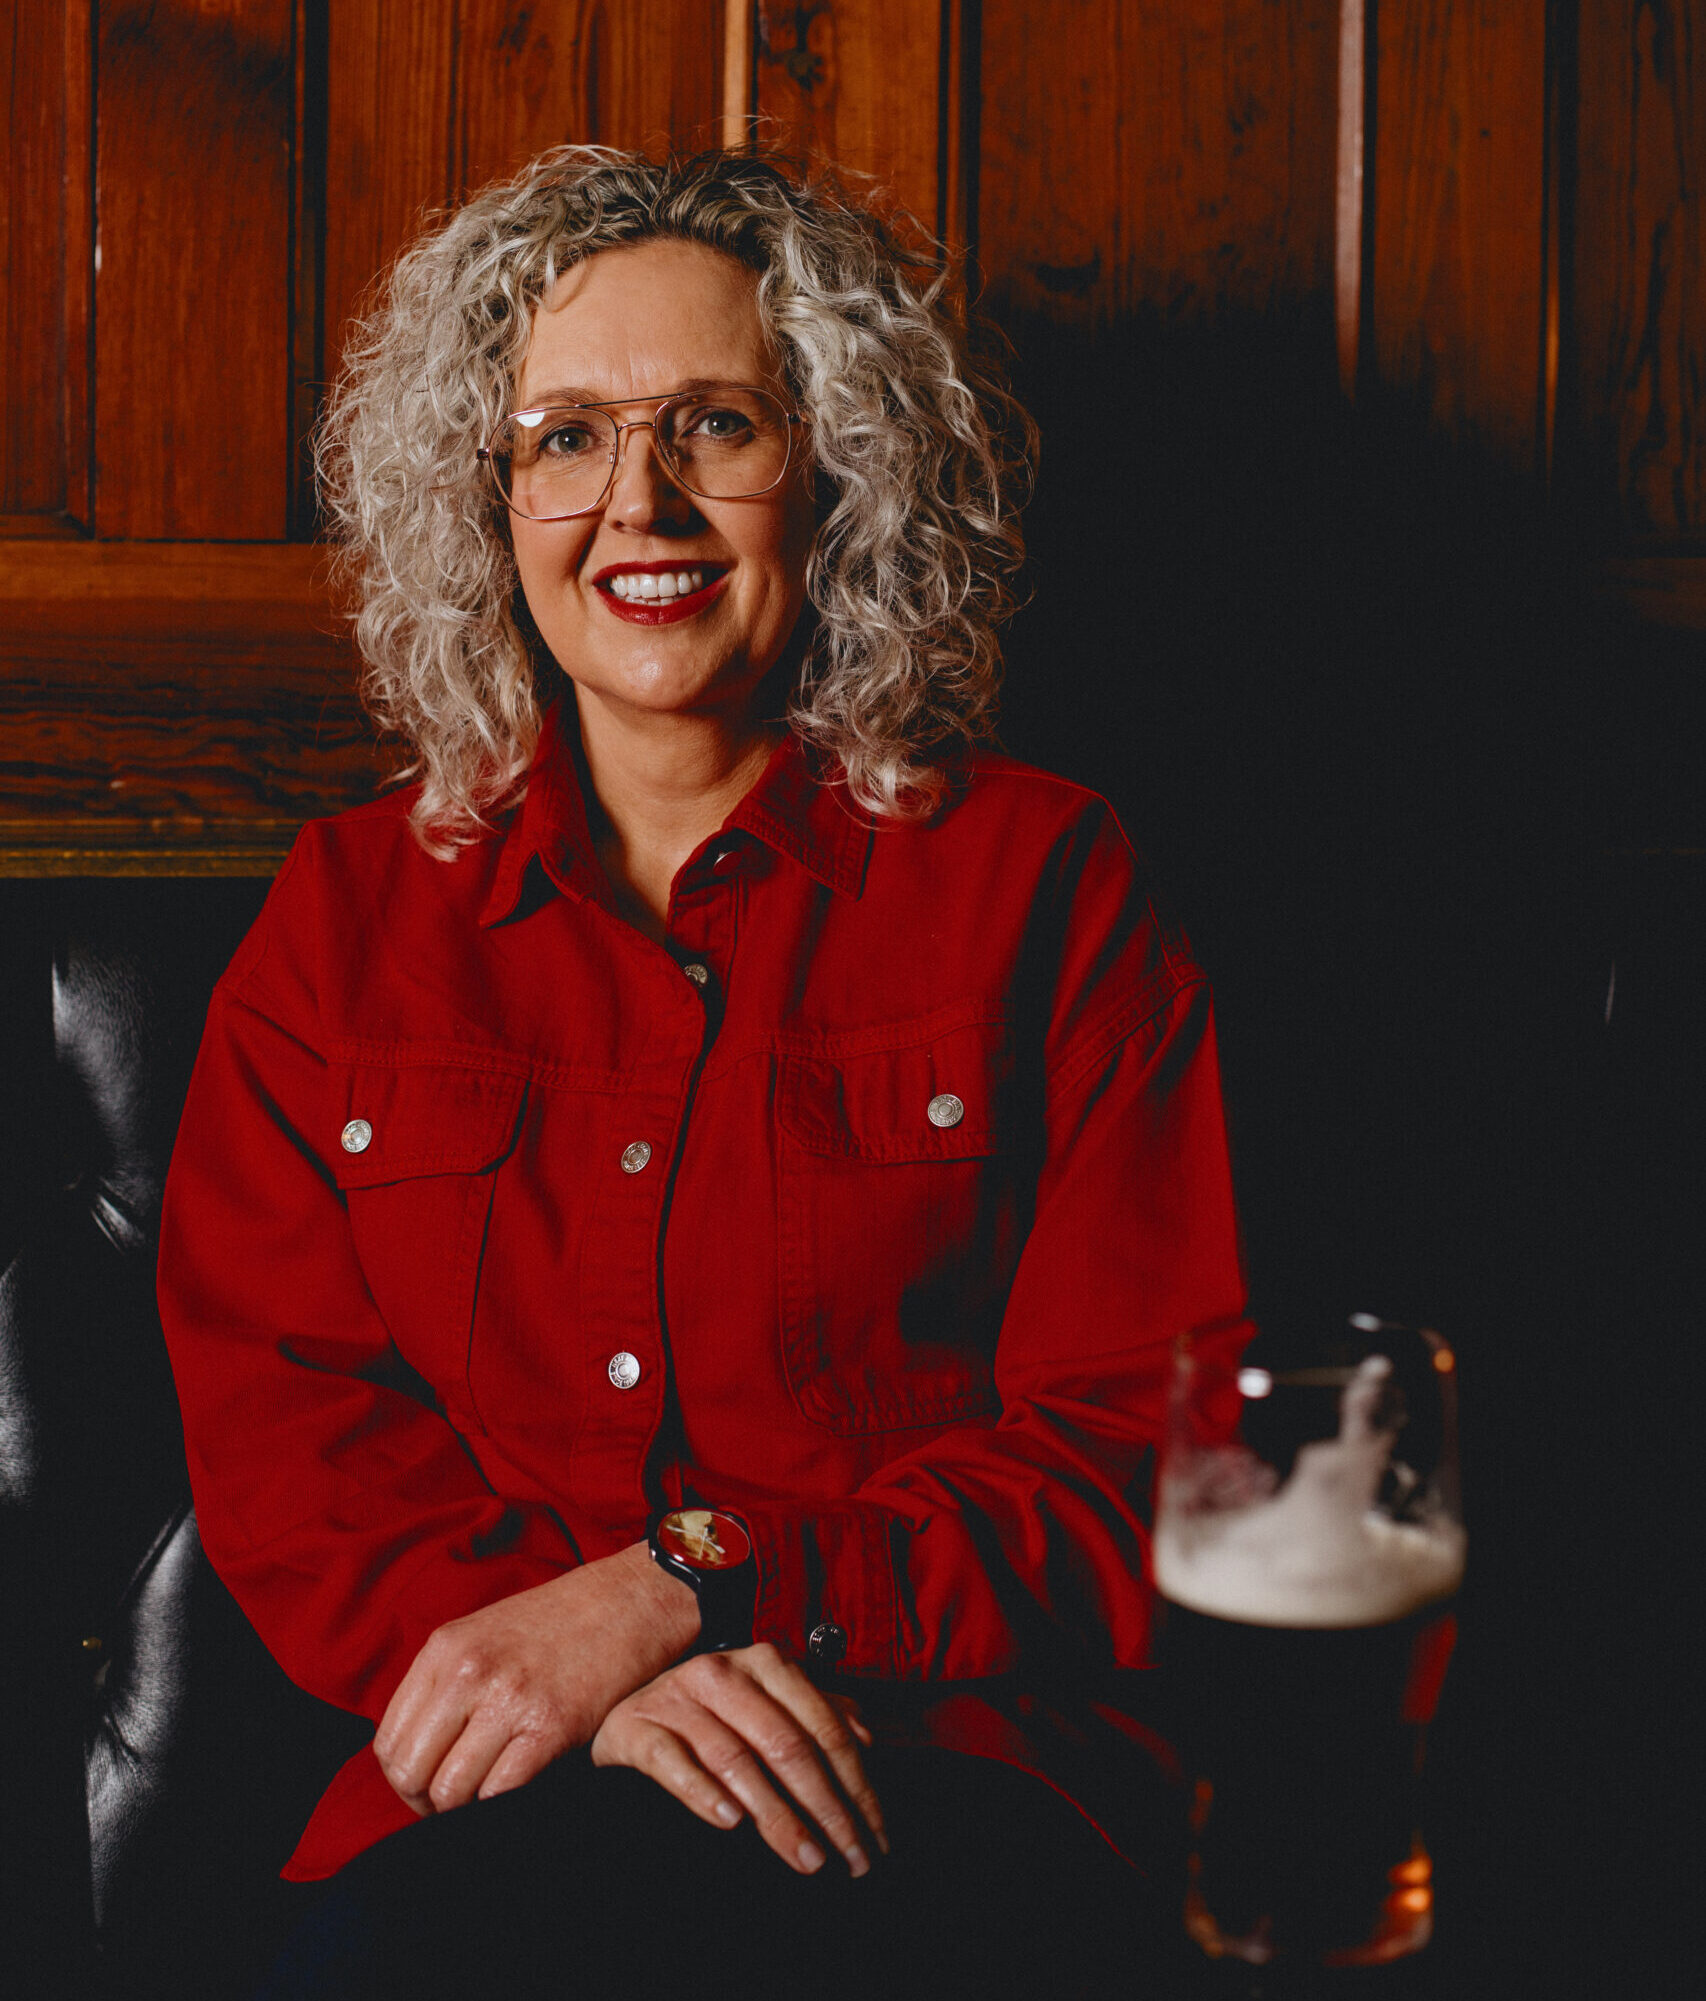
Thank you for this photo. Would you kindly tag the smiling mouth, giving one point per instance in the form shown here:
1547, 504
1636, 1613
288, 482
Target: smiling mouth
660, 596
648, 587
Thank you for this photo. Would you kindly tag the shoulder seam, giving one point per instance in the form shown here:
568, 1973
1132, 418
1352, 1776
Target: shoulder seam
1155, 995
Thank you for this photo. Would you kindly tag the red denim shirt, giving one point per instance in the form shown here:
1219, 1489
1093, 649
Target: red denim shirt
869, 1206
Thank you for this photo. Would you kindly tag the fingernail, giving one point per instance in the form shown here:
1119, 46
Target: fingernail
811, 1856
727, 1812
858, 1861
882, 1839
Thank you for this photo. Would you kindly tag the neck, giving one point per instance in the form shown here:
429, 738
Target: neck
658, 787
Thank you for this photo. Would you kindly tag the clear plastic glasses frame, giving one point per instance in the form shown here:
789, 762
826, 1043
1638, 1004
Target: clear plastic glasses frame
497, 454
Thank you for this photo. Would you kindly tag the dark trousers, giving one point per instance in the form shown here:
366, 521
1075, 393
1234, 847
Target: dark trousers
597, 1883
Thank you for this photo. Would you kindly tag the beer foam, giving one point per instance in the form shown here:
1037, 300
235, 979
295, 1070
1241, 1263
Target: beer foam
1315, 1553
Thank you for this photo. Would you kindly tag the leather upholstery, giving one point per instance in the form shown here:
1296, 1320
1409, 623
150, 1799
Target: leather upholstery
154, 1764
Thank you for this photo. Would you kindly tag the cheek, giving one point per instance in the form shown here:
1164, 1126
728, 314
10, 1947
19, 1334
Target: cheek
545, 562
792, 545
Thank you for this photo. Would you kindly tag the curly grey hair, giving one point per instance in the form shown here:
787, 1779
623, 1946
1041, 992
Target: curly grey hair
920, 453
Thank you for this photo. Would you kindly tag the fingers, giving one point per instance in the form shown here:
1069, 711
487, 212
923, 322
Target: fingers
421, 1723
694, 1754
748, 1729
830, 1724
628, 1738
457, 1714
855, 1722
520, 1759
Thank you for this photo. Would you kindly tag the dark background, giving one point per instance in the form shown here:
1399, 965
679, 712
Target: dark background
1405, 792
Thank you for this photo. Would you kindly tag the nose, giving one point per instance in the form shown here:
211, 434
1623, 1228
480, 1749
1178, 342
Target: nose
643, 495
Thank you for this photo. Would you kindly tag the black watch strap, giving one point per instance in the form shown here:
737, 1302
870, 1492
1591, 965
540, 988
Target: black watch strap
710, 1550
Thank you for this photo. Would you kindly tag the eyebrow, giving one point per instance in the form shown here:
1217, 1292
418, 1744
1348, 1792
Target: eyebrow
572, 395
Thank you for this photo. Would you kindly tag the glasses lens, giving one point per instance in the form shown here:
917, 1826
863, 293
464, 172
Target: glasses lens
549, 463
725, 444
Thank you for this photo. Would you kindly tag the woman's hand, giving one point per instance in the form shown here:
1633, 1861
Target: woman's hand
492, 1699
745, 1731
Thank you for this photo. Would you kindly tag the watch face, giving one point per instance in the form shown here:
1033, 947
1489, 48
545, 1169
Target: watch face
703, 1538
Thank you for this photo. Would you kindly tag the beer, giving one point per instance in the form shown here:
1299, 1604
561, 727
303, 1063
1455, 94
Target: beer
1304, 1745
1306, 1625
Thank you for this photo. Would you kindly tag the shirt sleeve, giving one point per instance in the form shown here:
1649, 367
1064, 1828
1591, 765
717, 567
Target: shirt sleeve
337, 1504
990, 1543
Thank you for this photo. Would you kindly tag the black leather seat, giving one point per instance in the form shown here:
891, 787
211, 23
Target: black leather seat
155, 1766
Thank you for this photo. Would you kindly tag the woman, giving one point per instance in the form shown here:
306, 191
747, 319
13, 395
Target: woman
717, 1164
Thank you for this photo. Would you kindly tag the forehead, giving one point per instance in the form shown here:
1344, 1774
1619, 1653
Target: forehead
643, 321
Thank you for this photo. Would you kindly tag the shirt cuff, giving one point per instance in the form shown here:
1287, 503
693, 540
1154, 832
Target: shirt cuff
828, 1571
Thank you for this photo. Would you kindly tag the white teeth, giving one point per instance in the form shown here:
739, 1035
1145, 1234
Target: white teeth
638, 586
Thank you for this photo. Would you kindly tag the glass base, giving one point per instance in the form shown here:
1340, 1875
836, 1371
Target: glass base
1403, 1923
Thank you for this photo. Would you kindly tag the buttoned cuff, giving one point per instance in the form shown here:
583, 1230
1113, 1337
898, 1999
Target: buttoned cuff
827, 1584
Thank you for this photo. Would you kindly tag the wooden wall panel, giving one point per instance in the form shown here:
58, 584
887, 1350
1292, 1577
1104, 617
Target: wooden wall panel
389, 102
192, 352
46, 250
1172, 158
1458, 192
1121, 169
530, 77
859, 82
1639, 266
654, 74
523, 84
174, 708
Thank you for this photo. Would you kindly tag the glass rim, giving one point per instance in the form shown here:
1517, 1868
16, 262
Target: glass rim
488, 454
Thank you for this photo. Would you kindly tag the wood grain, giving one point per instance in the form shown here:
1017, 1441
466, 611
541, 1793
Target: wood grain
46, 247
1144, 157
646, 77
1348, 219
1458, 190
522, 84
655, 74
307, 256
1657, 591
389, 123
1639, 293
738, 81
172, 707
859, 82
287, 575
195, 115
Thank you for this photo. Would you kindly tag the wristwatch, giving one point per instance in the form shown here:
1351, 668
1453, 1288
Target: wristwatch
712, 1552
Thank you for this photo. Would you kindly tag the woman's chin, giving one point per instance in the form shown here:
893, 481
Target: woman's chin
723, 691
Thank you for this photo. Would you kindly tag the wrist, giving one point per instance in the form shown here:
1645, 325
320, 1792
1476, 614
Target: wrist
709, 1550
673, 1604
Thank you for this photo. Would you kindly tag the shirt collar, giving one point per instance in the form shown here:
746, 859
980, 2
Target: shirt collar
791, 810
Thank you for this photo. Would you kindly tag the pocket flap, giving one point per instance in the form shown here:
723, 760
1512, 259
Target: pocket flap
941, 1098
424, 1119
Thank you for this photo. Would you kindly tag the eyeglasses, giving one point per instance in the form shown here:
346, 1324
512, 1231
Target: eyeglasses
723, 443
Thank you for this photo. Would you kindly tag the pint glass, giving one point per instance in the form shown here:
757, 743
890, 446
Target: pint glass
1308, 1544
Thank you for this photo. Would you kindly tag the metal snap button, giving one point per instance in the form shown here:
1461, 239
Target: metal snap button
624, 1370
635, 1157
945, 1109
697, 974
356, 1137
827, 1643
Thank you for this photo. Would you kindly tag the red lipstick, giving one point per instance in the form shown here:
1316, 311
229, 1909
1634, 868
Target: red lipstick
659, 610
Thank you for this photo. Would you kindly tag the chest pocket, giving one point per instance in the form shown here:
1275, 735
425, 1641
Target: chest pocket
898, 1178
417, 1158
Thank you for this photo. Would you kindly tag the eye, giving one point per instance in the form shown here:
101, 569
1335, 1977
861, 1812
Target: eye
570, 440
714, 423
